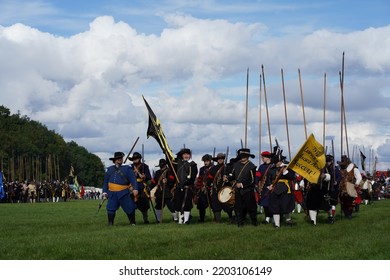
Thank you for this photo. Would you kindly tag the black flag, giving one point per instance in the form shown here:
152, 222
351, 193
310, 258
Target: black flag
362, 160
155, 130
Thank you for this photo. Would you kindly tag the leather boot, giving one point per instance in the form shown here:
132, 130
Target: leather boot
131, 218
111, 218
217, 217
145, 216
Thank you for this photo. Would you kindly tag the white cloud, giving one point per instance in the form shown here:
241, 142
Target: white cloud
88, 86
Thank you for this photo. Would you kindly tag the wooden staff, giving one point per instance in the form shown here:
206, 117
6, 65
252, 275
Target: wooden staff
266, 108
260, 121
324, 122
246, 108
343, 116
303, 105
285, 114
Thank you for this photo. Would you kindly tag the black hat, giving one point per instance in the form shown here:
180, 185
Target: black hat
162, 162
277, 158
219, 156
345, 161
244, 152
207, 157
329, 158
117, 155
135, 156
183, 151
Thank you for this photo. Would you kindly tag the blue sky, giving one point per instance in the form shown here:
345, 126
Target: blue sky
66, 18
80, 67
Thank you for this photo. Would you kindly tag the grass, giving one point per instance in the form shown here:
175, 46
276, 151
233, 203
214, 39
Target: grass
74, 231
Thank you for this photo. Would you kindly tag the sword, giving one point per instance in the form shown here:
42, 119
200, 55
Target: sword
100, 205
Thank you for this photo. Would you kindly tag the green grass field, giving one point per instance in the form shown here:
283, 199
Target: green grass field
73, 231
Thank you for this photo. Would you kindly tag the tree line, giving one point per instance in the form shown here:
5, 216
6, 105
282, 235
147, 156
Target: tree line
30, 151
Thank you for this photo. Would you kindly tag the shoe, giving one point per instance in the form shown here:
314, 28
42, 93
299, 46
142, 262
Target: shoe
146, 222
265, 222
240, 225
313, 223
289, 223
275, 226
331, 220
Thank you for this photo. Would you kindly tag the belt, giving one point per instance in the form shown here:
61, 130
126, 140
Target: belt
116, 187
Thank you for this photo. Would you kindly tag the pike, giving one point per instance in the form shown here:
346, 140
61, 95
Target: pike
266, 108
285, 114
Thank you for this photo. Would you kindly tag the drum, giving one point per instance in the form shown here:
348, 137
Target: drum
351, 189
226, 196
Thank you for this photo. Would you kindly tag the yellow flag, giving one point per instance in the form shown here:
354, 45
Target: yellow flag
309, 161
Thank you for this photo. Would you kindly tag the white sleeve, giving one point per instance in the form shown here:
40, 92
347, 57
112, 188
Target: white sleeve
358, 176
327, 177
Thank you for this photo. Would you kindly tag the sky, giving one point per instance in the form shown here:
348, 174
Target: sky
81, 68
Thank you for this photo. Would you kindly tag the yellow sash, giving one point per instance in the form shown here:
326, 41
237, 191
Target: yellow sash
116, 187
287, 184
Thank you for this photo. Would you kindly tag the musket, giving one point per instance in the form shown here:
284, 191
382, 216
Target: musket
131, 150
227, 155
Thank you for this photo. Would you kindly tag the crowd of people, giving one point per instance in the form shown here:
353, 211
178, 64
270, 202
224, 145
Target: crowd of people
267, 194
33, 191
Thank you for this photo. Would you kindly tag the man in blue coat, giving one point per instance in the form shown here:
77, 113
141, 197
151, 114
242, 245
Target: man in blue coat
119, 183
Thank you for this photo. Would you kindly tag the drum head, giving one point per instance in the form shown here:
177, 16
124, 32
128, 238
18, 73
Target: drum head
225, 194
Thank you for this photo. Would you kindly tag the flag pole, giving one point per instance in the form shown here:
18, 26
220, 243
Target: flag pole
303, 105
266, 107
285, 114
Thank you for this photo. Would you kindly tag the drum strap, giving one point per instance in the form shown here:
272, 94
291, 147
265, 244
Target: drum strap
239, 175
215, 181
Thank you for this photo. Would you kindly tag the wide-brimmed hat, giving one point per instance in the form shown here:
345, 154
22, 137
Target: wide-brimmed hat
162, 162
117, 155
219, 156
183, 151
329, 158
207, 157
345, 161
244, 152
136, 155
